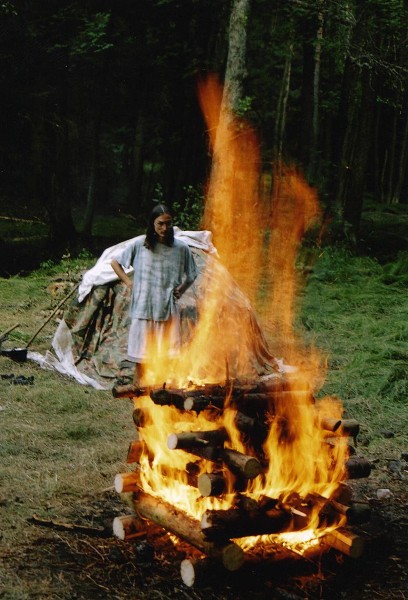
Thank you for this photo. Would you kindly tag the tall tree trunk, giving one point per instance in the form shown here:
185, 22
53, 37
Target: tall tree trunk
93, 178
357, 157
236, 70
280, 120
316, 85
403, 157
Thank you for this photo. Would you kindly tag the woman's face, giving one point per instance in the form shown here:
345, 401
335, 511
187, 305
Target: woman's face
162, 226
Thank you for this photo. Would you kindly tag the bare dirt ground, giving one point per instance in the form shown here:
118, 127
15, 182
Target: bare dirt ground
45, 561
55, 563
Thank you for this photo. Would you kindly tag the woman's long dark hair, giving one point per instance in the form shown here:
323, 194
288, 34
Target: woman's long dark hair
151, 235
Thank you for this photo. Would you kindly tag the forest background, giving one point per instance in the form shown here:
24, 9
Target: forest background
100, 116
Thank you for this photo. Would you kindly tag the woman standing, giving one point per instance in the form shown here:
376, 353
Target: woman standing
164, 268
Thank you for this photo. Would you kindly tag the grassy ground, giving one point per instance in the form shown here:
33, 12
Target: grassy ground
62, 444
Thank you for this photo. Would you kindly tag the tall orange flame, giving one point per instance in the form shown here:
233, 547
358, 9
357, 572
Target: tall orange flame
257, 242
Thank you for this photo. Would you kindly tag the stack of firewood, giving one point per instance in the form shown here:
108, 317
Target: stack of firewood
256, 405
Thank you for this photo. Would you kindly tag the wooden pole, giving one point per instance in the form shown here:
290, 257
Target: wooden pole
30, 341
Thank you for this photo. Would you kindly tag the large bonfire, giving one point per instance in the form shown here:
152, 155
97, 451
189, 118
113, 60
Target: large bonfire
264, 456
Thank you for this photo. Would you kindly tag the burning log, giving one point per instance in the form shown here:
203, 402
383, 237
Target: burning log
255, 429
200, 403
185, 527
211, 484
261, 394
139, 417
164, 397
209, 445
135, 451
188, 440
244, 520
240, 464
329, 424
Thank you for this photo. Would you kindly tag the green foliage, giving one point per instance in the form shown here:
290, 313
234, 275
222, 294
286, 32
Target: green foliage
92, 36
396, 272
189, 211
359, 322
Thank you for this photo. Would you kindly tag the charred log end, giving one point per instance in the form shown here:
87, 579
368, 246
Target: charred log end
329, 424
128, 528
232, 556
126, 482
211, 484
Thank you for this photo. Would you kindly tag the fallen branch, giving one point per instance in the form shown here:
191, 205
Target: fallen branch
94, 531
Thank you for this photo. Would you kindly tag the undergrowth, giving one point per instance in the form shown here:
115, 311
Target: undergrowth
355, 311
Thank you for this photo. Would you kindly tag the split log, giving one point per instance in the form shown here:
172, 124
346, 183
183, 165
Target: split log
187, 440
128, 528
237, 522
185, 527
345, 541
357, 467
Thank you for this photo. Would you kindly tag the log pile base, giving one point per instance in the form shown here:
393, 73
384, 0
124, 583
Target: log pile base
212, 539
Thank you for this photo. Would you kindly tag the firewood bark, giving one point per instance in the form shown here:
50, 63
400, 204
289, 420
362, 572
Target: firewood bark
356, 514
236, 523
128, 391
241, 464
185, 527
329, 424
187, 440
126, 482
255, 429
349, 427
357, 467
135, 451
139, 417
